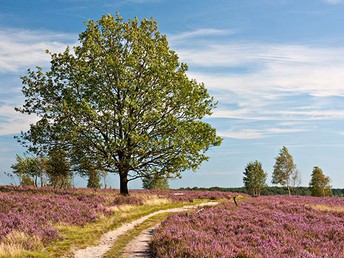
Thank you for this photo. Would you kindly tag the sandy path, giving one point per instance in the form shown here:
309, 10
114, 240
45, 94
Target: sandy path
110, 237
139, 247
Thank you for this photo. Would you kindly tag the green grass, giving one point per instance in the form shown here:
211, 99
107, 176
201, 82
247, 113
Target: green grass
118, 248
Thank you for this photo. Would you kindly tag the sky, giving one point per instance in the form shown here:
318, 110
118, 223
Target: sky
276, 68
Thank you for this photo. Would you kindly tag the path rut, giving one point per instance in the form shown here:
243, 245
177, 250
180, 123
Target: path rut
139, 247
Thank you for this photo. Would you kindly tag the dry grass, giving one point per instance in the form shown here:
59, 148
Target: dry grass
328, 208
14, 244
156, 201
151, 199
7, 250
123, 207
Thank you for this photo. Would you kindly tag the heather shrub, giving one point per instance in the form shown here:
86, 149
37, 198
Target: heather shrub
35, 214
259, 227
34, 211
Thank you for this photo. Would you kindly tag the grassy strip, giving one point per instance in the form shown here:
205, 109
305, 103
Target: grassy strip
74, 237
117, 250
328, 208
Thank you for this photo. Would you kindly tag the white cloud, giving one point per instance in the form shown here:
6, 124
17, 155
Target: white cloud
257, 81
334, 1
245, 134
13, 122
280, 114
21, 49
259, 133
199, 33
274, 68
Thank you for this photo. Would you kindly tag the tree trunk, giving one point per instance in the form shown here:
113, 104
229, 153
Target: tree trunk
124, 183
41, 179
289, 190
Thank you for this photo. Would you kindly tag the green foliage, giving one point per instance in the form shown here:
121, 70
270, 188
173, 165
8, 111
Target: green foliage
93, 179
338, 192
319, 184
155, 182
122, 100
254, 178
29, 169
284, 169
58, 169
26, 181
269, 190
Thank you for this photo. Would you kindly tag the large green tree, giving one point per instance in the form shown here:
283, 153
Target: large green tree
123, 97
319, 184
285, 171
254, 178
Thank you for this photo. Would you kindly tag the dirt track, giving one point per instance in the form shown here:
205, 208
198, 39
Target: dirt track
138, 247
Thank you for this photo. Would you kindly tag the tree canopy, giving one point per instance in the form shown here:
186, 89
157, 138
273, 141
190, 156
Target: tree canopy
122, 100
155, 183
29, 170
254, 178
319, 184
285, 171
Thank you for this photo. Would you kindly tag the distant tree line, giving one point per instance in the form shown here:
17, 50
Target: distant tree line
268, 190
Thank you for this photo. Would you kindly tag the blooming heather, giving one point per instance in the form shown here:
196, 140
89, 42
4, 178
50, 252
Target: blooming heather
277, 226
35, 211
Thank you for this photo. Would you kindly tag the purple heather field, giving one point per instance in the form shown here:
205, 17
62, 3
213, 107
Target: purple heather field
270, 226
35, 211
276, 226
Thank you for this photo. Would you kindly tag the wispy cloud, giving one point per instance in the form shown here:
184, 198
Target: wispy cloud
21, 49
263, 114
248, 134
12, 122
312, 70
257, 82
334, 1
199, 33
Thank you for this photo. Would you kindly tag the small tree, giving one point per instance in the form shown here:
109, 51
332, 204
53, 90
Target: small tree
320, 184
254, 178
58, 169
295, 179
103, 175
30, 170
284, 169
85, 167
93, 179
155, 182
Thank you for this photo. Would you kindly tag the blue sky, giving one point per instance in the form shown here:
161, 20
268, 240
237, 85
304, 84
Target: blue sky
276, 67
